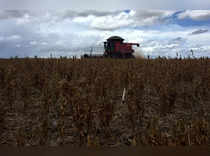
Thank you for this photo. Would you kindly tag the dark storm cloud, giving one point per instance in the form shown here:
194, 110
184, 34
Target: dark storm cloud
178, 40
200, 31
197, 15
150, 13
8, 14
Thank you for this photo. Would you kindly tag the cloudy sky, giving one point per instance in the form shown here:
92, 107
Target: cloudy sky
71, 27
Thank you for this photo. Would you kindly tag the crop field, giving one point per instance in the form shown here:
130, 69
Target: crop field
104, 102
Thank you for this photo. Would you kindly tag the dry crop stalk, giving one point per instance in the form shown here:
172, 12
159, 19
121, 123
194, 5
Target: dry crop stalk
123, 95
181, 71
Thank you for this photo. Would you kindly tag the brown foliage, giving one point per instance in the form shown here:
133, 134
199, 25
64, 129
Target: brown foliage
78, 102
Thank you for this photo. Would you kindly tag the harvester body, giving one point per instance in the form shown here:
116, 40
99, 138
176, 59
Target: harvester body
114, 47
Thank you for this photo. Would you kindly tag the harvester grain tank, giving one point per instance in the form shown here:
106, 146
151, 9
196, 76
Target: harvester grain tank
114, 47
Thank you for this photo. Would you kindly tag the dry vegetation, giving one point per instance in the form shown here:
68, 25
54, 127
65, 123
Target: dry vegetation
53, 102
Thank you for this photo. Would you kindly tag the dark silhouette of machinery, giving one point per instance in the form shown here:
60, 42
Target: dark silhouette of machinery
114, 47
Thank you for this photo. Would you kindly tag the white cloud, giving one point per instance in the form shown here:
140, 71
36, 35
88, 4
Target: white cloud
13, 37
206, 48
18, 45
169, 46
111, 21
69, 32
44, 43
107, 22
150, 17
198, 15
33, 43
59, 43
24, 20
10, 38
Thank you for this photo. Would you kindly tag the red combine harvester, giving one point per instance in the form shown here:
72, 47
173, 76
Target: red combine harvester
115, 48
